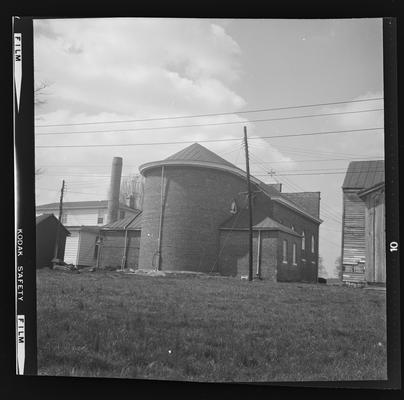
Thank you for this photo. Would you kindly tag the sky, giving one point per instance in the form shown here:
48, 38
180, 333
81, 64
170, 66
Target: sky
99, 71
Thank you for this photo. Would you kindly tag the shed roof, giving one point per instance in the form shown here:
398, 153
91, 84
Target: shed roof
41, 218
132, 223
81, 204
364, 174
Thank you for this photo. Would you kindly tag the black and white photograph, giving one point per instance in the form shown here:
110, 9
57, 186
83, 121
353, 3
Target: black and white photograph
210, 199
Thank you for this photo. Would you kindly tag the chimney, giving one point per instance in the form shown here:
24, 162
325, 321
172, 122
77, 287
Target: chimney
115, 185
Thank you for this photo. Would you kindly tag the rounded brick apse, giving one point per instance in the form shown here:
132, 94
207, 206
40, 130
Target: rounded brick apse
180, 224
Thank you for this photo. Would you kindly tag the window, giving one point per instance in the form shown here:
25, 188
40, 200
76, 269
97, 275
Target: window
121, 214
294, 254
312, 243
293, 228
100, 218
285, 251
233, 207
303, 241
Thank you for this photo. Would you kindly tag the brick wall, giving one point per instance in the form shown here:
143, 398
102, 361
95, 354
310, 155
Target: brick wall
197, 202
287, 271
113, 249
308, 259
234, 258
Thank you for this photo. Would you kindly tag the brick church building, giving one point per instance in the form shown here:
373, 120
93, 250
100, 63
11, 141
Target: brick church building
195, 218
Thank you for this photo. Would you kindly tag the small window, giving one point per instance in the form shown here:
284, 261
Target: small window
100, 218
233, 207
63, 219
285, 251
303, 241
121, 214
312, 243
293, 228
294, 254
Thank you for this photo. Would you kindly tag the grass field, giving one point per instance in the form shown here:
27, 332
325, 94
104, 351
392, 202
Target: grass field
205, 328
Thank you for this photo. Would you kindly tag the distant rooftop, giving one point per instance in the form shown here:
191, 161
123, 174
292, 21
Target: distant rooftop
364, 174
133, 222
81, 204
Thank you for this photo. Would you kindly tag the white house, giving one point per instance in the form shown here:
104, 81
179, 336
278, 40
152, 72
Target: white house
83, 219
88, 213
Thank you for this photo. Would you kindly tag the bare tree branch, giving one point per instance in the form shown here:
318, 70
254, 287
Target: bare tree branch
40, 91
132, 186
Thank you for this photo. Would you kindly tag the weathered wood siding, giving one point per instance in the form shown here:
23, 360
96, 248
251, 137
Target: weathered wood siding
353, 229
87, 256
375, 238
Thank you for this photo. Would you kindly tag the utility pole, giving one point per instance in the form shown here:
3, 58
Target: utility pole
55, 258
250, 236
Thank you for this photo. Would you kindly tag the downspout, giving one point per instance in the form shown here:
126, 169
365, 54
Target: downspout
259, 255
125, 246
99, 249
158, 266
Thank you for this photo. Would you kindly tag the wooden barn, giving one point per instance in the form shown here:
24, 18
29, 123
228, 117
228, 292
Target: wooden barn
48, 231
119, 243
375, 233
363, 223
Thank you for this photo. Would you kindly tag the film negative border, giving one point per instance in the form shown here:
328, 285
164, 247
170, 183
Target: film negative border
25, 270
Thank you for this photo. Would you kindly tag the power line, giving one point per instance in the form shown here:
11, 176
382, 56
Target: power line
329, 214
212, 114
210, 141
263, 162
320, 173
315, 152
268, 173
207, 124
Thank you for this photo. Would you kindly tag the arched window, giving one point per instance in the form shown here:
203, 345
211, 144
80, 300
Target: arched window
285, 251
233, 207
303, 241
312, 243
294, 254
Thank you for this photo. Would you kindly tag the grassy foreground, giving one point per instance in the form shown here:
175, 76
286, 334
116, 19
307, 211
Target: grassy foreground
204, 328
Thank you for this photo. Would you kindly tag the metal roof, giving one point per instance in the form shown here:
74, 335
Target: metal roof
82, 204
197, 152
364, 174
310, 201
133, 222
